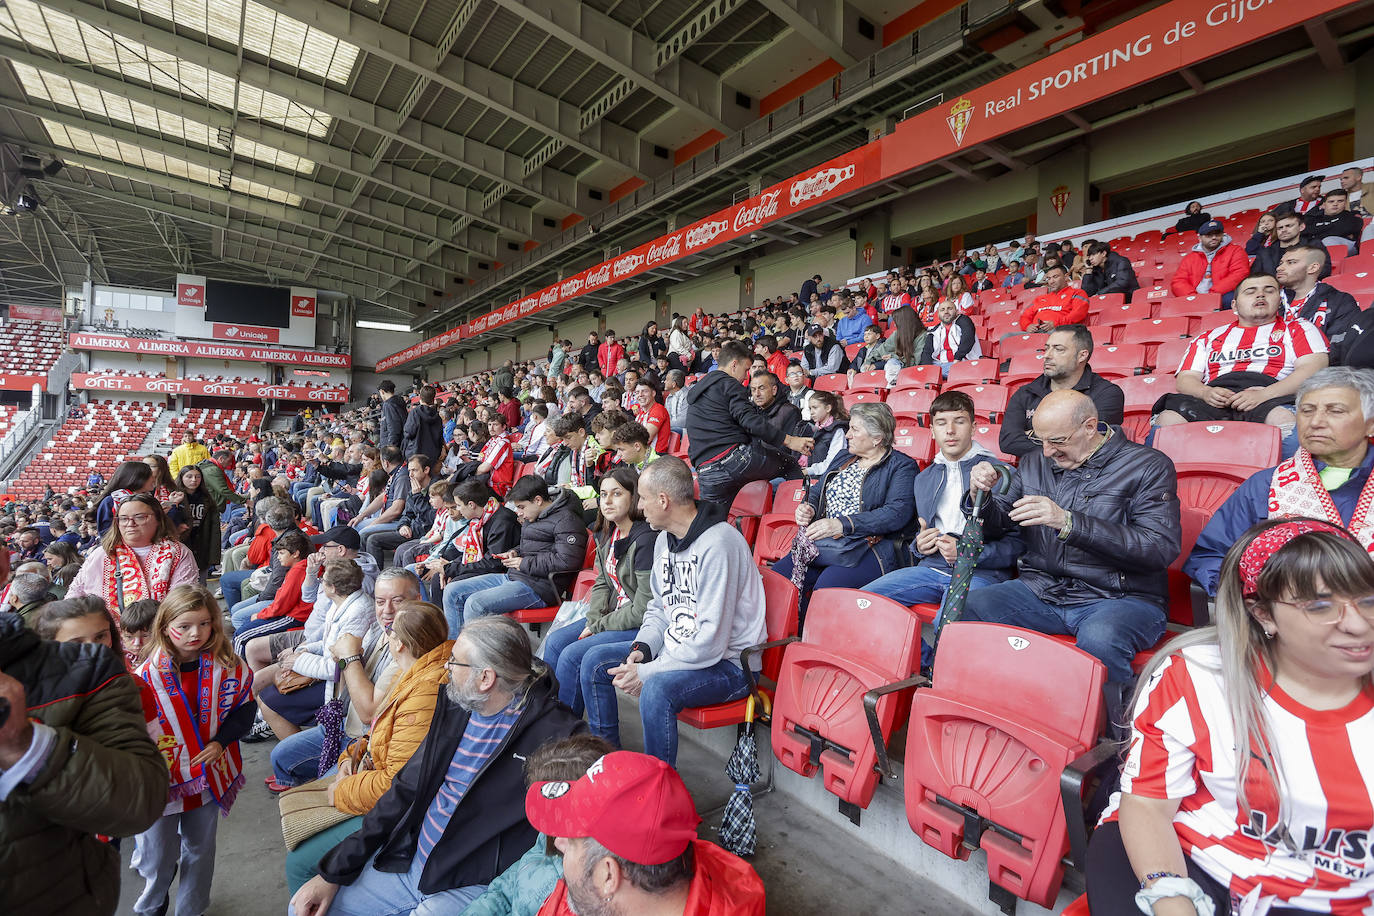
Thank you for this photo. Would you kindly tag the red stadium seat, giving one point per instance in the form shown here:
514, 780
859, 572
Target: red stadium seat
1190, 306
986, 745
752, 503
1254, 445
913, 403
788, 495
538, 616
774, 540
854, 644
872, 380
1141, 393
1156, 330
836, 382
919, 376
1121, 313
1020, 344
1022, 368
780, 601
915, 442
971, 372
1168, 355
989, 401
852, 397
1118, 361
987, 436
1104, 301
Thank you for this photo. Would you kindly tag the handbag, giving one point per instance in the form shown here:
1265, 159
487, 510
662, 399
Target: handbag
291, 681
306, 811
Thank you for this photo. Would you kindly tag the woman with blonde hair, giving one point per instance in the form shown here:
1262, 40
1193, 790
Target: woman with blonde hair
1282, 827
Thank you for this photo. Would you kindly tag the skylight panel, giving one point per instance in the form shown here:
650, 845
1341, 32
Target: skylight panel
265, 32
61, 34
84, 141
68, 93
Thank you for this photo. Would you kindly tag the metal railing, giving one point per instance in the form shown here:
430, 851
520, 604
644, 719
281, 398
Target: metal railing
19, 434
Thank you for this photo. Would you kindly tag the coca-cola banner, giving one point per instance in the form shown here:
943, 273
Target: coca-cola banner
158, 347
35, 313
191, 290
93, 381
246, 333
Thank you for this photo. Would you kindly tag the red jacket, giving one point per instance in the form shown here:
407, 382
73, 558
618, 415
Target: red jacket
723, 885
1068, 306
608, 356
777, 364
260, 548
1229, 266
288, 602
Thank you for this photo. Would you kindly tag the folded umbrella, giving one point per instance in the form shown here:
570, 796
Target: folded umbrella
738, 830
967, 552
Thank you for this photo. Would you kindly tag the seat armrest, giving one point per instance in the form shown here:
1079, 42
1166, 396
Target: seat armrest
1071, 781
871, 711
747, 654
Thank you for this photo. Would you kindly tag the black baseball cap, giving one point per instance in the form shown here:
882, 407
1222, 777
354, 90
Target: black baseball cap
342, 535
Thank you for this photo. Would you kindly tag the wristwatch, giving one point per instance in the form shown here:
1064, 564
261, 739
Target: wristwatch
345, 662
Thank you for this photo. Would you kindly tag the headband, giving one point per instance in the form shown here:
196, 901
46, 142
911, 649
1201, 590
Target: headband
1269, 542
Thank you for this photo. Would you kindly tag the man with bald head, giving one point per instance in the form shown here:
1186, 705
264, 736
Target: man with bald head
1100, 518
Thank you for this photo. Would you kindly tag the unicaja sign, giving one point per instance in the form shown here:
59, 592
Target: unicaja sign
249, 334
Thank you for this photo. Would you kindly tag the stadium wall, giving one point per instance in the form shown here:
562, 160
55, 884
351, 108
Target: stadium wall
781, 273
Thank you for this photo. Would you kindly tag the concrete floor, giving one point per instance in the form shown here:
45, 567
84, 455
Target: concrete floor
807, 865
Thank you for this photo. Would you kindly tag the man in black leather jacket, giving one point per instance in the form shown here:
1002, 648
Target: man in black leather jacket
1100, 516
1108, 272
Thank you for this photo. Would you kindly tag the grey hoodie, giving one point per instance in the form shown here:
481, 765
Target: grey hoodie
708, 601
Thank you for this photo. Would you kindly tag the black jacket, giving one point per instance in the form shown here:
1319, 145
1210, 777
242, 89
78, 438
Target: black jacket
1108, 396
418, 513
586, 357
502, 533
1114, 276
1357, 349
1267, 261
393, 422
1126, 529
1341, 312
783, 415
554, 544
650, 349
341, 470
1344, 225
488, 831
423, 433
720, 414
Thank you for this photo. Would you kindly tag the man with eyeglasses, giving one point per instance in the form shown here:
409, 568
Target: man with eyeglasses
1327, 478
1100, 517
454, 818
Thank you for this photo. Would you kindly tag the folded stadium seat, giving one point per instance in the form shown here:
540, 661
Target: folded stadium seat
681, 447
1141, 393
988, 435
836, 382
872, 380
986, 745
780, 603
1118, 361
851, 397
1078, 908
912, 403
1019, 344
1213, 458
838, 691
989, 401
918, 377
777, 530
1339, 253
968, 372
752, 503
852, 350
536, 617
915, 442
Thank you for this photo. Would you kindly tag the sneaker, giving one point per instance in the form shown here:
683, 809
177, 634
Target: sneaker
261, 731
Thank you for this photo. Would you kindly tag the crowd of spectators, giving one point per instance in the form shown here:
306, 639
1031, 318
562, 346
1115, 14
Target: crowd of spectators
373, 567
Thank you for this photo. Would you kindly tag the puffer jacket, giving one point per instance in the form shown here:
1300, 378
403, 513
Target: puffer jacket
522, 889
1114, 276
554, 544
397, 730
634, 561
887, 509
1126, 529
103, 775
720, 415
1229, 267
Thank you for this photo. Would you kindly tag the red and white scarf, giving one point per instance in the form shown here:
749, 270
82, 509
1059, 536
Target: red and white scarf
151, 578
612, 573
183, 727
472, 542
1297, 489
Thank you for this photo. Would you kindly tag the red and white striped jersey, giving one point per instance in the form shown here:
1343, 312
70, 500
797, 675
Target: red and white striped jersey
1273, 349
894, 301
1182, 747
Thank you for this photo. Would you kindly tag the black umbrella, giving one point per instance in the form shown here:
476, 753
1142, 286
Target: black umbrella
969, 548
737, 828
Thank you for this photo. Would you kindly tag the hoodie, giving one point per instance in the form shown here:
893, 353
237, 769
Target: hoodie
707, 602
423, 433
720, 416
998, 559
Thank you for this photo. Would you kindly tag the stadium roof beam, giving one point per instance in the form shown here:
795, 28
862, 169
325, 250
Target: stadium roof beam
173, 241
76, 233
687, 86
487, 161
1328, 49
818, 21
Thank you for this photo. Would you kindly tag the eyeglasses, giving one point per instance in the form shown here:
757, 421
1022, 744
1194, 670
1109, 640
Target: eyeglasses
452, 664
138, 519
1057, 442
1329, 611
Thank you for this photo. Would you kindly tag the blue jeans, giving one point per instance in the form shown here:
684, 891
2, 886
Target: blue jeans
493, 593
241, 613
819, 575
566, 655
1111, 630
920, 585
369, 526
296, 758
378, 893
665, 694
231, 584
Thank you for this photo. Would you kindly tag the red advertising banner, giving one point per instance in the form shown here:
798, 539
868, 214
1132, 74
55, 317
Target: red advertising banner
22, 382
191, 290
35, 313
247, 333
302, 302
1159, 41
186, 348
250, 390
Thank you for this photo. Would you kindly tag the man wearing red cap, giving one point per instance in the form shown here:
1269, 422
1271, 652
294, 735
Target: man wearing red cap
651, 862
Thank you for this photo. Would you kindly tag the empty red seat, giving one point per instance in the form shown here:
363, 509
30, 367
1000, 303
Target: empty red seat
872, 380
1141, 393
836, 382
916, 442
1019, 344
854, 643
1168, 356
986, 745
1116, 361
852, 397
776, 532
1224, 442
1022, 368
1155, 330
753, 501
1190, 306
923, 376
971, 372
988, 435
913, 403
989, 401
788, 495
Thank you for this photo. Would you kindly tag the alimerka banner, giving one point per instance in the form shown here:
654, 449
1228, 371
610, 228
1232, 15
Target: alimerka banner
247, 353
93, 381
1160, 41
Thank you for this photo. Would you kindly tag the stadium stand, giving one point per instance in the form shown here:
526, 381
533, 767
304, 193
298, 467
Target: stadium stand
107, 433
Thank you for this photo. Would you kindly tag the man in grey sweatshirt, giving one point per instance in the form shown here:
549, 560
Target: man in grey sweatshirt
707, 607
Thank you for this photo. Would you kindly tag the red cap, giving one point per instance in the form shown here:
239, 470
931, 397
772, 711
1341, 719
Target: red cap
635, 805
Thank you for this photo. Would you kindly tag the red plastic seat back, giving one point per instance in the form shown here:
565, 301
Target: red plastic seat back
775, 536
781, 601
872, 380
789, 495
585, 580
992, 735
971, 372
836, 382
853, 642
912, 402
915, 442
1228, 444
920, 375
